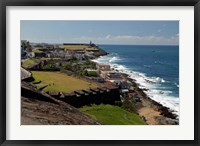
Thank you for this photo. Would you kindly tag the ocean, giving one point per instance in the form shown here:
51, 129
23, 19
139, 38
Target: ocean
155, 68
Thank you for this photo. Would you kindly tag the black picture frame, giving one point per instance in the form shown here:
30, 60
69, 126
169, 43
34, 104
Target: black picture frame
5, 3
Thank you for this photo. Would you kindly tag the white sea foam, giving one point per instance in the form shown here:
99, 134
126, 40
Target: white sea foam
114, 59
155, 92
148, 66
111, 58
176, 85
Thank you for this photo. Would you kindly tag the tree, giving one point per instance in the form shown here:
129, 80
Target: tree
26, 46
29, 48
23, 45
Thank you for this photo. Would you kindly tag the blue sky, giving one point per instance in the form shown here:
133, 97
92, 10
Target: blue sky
101, 32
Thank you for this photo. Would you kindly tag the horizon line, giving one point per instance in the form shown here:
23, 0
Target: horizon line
108, 44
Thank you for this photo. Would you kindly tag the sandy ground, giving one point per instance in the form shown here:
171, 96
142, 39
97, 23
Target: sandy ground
150, 115
149, 112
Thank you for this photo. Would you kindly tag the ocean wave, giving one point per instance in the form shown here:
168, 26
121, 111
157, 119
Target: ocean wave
176, 85
155, 92
158, 79
110, 58
147, 66
161, 96
114, 59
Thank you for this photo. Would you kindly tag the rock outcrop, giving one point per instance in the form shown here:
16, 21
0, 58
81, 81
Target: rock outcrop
42, 109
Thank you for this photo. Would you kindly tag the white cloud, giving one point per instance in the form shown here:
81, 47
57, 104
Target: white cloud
108, 37
115, 39
129, 39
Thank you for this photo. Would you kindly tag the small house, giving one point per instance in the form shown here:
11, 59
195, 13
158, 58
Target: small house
103, 67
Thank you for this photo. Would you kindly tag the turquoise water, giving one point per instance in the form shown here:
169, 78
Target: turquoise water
154, 67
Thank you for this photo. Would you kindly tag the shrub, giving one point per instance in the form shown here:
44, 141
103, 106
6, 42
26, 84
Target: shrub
92, 74
67, 66
50, 67
90, 64
128, 104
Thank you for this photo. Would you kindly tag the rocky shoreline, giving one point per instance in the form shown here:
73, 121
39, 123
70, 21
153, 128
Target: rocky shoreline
164, 116
152, 112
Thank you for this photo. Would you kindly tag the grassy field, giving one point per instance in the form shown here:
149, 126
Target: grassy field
37, 51
61, 82
28, 62
112, 115
78, 47
44, 58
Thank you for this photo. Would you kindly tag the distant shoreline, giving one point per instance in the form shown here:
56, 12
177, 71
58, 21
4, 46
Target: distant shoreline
104, 44
136, 45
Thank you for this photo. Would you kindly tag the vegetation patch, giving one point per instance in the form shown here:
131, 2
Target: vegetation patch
92, 74
78, 47
28, 62
44, 58
79, 68
60, 82
112, 115
37, 51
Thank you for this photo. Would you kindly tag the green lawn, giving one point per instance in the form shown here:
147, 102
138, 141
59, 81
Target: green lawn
77, 47
112, 115
60, 82
44, 58
37, 51
28, 62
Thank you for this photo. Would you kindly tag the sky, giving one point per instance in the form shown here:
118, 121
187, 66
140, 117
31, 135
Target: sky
101, 32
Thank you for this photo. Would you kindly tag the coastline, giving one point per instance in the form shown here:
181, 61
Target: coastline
151, 111
130, 92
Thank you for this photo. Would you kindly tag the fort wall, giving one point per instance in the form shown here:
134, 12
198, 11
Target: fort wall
87, 97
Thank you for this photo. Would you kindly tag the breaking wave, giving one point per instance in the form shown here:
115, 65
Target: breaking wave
153, 84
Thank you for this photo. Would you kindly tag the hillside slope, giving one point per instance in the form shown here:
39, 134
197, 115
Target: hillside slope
49, 112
